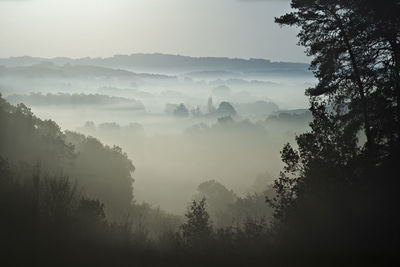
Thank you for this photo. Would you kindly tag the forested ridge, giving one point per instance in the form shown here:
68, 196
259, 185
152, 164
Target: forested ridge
66, 199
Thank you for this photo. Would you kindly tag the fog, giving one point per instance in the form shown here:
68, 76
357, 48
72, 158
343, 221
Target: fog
135, 106
220, 143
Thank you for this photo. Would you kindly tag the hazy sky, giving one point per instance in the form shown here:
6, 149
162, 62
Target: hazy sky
78, 28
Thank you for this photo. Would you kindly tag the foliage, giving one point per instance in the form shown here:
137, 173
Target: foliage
355, 51
198, 229
43, 217
103, 172
333, 186
226, 209
181, 111
226, 109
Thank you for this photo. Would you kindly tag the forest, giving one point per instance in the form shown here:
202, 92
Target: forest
124, 189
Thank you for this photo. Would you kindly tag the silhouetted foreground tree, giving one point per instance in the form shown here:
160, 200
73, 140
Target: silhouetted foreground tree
337, 196
355, 45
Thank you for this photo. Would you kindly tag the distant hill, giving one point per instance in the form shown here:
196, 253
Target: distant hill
172, 63
38, 99
51, 69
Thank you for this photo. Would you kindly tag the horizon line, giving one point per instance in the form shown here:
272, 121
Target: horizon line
153, 53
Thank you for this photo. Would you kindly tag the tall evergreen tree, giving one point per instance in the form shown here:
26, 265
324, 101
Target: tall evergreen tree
335, 192
355, 59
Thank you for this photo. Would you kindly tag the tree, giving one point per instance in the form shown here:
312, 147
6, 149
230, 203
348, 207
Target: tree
226, 109
103, 172
219, 198
181, 111
335, 193
355, 61
198, 228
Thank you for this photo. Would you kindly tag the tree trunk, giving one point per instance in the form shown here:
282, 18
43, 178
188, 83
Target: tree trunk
357, 78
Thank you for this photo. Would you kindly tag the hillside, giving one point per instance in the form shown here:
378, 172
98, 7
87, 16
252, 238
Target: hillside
158, 62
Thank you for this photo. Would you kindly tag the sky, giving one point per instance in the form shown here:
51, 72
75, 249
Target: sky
102, 28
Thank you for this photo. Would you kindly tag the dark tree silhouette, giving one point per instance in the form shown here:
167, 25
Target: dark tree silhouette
336, 194
355, 58
196, 232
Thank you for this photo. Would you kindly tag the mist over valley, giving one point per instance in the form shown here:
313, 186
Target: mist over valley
167, 111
